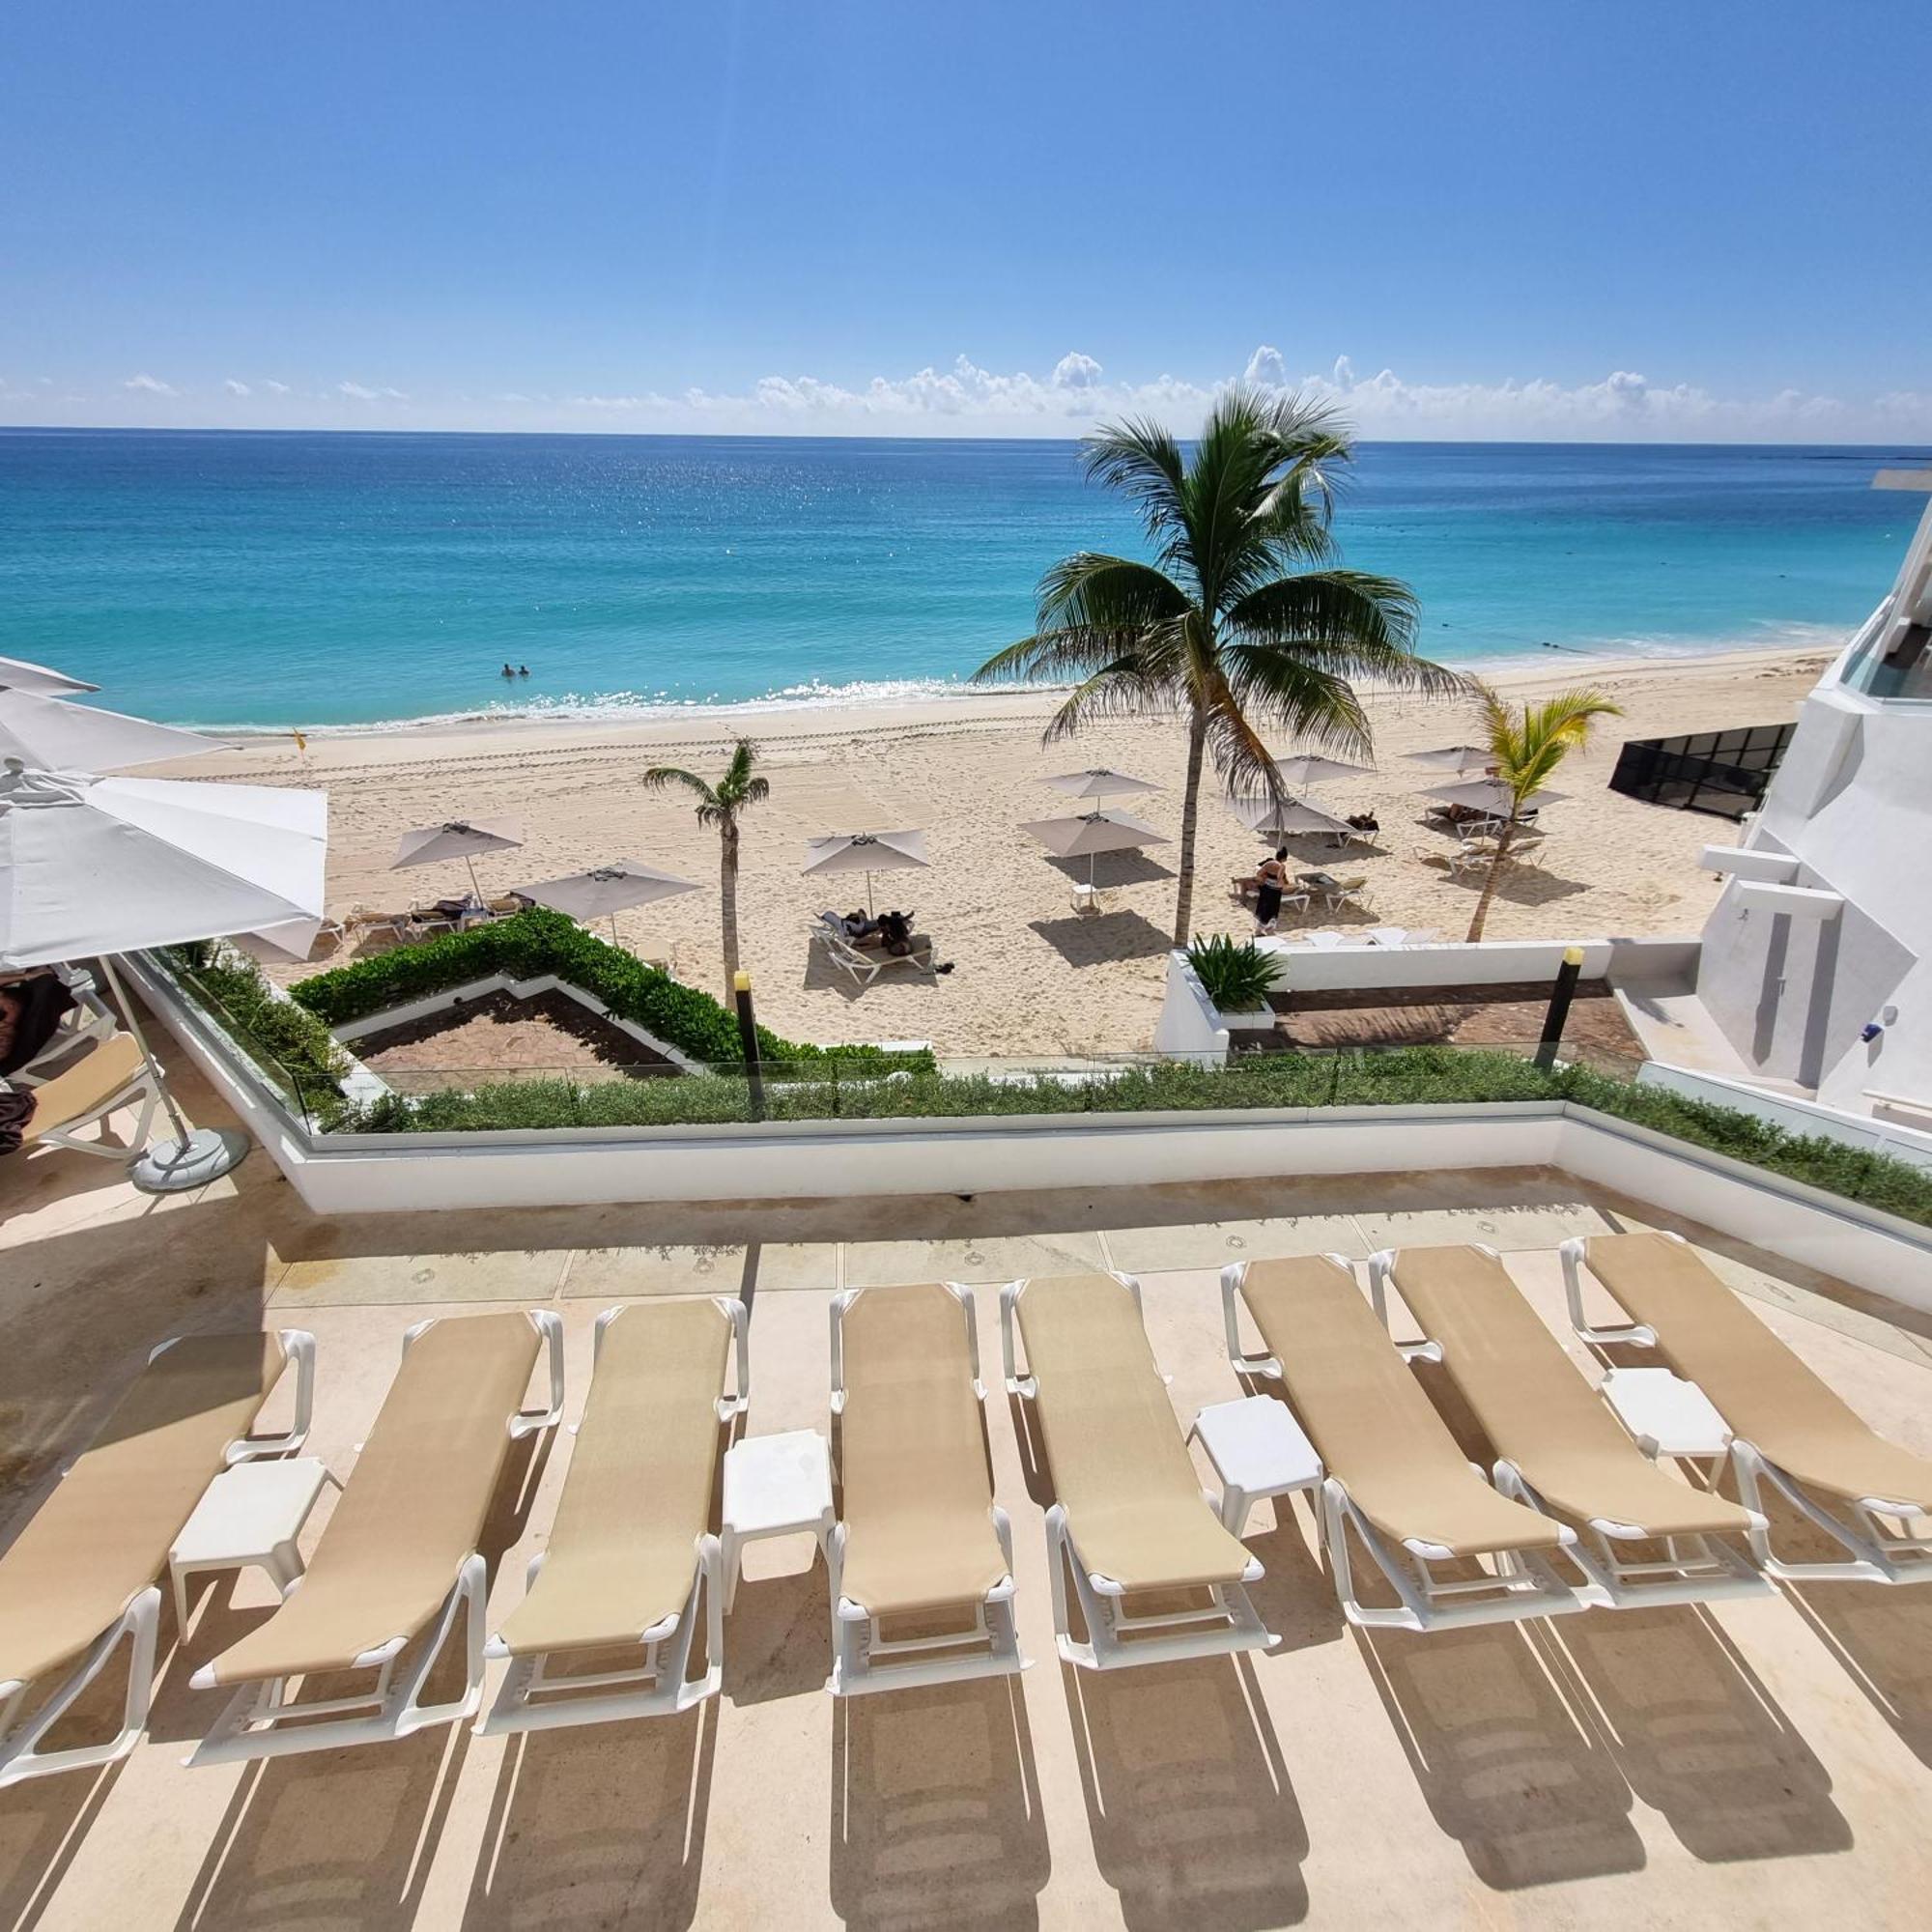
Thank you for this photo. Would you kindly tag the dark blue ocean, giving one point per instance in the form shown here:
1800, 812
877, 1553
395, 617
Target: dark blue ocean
273, 580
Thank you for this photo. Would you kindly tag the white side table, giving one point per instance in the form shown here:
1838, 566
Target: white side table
249, 1516
775, 1486
1257, 1450
1668, 1415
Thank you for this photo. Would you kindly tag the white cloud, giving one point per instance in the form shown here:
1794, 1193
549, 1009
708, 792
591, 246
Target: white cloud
360, 393
1077, 372
236, 388
150, 385
1265, 369
275, 388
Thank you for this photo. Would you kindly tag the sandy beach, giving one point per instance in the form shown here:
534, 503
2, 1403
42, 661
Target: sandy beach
1031, 977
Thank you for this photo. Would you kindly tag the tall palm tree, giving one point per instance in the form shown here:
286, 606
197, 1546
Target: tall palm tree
719, 805
1526, 743
1243, 621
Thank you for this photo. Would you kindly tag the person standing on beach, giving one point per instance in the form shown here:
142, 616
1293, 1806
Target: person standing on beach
1270, 876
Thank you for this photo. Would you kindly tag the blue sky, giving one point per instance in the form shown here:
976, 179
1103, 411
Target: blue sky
1545, 218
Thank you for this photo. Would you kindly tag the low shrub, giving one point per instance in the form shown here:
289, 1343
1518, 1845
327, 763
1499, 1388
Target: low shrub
285, 1040
540, 941
1236, 974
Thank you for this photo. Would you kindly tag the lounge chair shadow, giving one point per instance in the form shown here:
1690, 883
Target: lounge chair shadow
1296, 1597
1033, 1460
1193, 1819
603, 1826
1506, 1768
777, 1638
1883, 1637
824, 975
935, 1808
1095, 939
342, 1837
44, 1823
1696, 1733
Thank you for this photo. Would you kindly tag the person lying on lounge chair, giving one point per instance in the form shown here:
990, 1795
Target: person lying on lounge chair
860, 927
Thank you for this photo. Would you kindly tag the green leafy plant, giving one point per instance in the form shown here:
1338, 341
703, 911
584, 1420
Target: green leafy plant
538, 942
719, 806
1236, 974
284, 1040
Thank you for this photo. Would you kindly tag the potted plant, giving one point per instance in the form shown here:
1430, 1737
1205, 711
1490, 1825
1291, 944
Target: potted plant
1238, 977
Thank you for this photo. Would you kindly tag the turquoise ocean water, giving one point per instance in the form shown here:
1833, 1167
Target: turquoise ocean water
340, 580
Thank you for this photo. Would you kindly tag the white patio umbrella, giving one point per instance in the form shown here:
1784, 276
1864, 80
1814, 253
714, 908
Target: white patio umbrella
866, 852
1292, 818
1093, 833
606, 890
48, 734
462, 838
1100, 781
1490, 795
1309, 769
1456, 757
17, 674
93, 867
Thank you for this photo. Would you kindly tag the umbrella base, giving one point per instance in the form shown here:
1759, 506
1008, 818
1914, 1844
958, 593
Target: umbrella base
173, 1167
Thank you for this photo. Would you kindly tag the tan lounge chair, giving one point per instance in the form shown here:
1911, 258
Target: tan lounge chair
919, 1535
1558, 1446
1156, 1575
397, 1563
112, 1074
632, 1551
1393, 1470
1787, 1425
81, 1576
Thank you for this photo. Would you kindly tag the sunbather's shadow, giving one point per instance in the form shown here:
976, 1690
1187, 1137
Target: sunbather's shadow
1883, 1637
342, 1837
935, 1807
43, 1824
1693, 1729
1193, 1818
599, 1826
1505, 1766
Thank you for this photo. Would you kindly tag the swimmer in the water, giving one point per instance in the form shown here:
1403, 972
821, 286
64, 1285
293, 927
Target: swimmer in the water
523, 670
508, 672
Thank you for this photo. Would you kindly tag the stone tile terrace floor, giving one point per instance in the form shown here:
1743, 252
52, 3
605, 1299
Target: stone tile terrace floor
1760, 1763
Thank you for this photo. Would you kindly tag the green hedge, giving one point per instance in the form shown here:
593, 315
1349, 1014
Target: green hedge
1263, 1081
285, 1040
539, 941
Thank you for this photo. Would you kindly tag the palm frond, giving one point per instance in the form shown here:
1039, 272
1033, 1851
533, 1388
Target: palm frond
662, 777
1123, 689
1528, 742
1297, 693
1351, 622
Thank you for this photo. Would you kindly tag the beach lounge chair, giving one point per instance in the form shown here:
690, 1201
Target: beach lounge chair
1157, 1575
1339, 893
1788, 1426
1558, 1447
81, 1576
631, 1553
113, 1073
918, 1538
398, 1563
1393, 1470
865, 963
87, 1020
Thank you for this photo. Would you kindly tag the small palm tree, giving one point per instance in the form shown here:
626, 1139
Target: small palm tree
1242, 622
1526, 743
719, 805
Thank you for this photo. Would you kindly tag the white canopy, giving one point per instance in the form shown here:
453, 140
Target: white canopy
455, 838
1292, 818
1309, 769
17, 674
1099, 781
1456, 757
606, 890
866, 852
49, 735
1092, 832
1490, 795
92, 866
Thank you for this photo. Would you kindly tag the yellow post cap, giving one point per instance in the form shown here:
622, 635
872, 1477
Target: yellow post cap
1573, 955
742, 980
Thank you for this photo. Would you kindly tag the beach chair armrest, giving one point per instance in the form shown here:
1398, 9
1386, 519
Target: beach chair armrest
1381, 1266
298, 1348
740, 1317
1016, 1384
1635, 1334
963, 1296
840, 1302
1238, 1358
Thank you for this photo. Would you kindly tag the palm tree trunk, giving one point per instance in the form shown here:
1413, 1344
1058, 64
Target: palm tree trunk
728, 893
1482, 912
1190, 818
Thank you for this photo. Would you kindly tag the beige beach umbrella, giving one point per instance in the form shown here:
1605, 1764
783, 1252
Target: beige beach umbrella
465, 839
866, 852
1309, 769
606, 890
1093, 833
17, 674
1491, 795
48, 734
1292, 818
1456, 757
1100, 781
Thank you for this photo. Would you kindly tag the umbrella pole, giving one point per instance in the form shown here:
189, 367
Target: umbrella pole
197, 1156
475, 891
